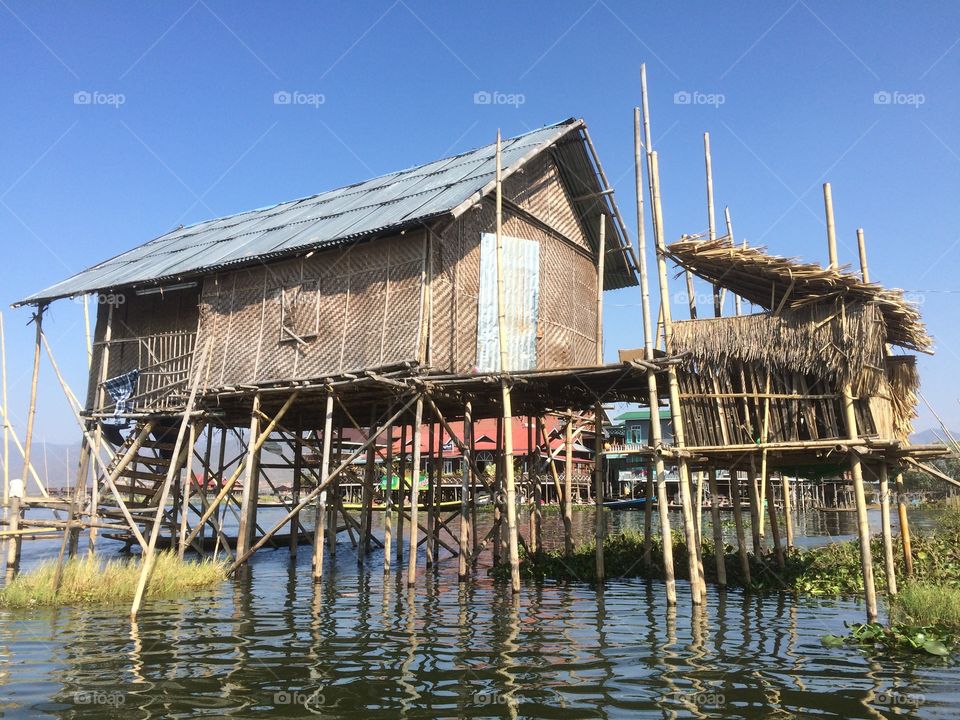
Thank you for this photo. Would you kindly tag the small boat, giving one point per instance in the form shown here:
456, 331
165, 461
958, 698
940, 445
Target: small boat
634, 504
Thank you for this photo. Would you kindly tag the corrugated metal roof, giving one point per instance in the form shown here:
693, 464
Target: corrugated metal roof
373, 206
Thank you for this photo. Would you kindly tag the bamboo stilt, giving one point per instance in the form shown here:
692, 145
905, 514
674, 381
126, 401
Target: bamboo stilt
511, 492
15, 541
414, 492
711, 220
863, 526
831, 228
431, 490
248, 496
6, 425
188, 484
465, 499
320, 518
653, 395
718, 544
388, 503
890, 568
775, 527
904, 526
787, 510
32, 408
736, 498
600, 529
297, 482
568, 487
400, 491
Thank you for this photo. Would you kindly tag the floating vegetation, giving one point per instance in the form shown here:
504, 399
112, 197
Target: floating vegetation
931, 639
89, 580
923, 603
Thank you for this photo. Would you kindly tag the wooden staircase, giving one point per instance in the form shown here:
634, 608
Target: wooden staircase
140, 483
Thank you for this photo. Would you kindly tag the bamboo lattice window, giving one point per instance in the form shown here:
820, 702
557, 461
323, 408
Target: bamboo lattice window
298, 312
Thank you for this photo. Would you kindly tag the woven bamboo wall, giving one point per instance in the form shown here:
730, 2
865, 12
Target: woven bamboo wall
566, 333
358, 307
167, 317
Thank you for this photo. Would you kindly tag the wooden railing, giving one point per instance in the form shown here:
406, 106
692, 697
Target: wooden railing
164, 362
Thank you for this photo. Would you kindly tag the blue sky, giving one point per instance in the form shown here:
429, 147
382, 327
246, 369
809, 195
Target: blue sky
182, 126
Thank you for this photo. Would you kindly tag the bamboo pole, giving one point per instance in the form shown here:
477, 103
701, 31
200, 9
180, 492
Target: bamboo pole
32, 409
465, 499
366, 493
13, 546
889, 566
414, 490
568, 487
86, 326
100, 403
653, 396
388, 504
297, 482
904, 526
320, 517
711, 221
248, 498
6, 425
774, 524
696, 590
400, 490
431, 489
831, 228
787, 510
511, 491
600, 529
718, 545
856, 470
148, 557
862, 247
188, 483
736, 499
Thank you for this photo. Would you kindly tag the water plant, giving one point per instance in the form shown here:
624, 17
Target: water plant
91, 580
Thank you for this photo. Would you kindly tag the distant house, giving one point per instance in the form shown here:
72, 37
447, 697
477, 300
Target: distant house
634, 426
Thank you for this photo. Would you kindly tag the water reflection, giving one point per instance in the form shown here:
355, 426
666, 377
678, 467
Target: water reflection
360, 643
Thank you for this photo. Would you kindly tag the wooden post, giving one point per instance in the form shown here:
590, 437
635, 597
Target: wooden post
414, 491
718, 545
568, 487
904, 526
32, 409
297, 481
862, 247
831, 228
13, 546
655, 438
511, 492
684, 472
366, 493
431, 489
188, 484
248, 497
320, 519
388, 503
774, 524
600, 529
496, 496
400, 490
888, 564
466, 458
736, 499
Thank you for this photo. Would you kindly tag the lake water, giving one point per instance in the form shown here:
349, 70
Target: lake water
362, 645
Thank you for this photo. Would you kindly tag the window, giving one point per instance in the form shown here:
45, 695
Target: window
298, 313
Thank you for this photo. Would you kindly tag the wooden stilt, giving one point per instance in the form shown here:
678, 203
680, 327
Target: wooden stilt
718, 544
13, 546
787, 510
414, 494
465, 499
187, 485
508, 479
756, 511
366, 494
888, 564
736, 499
6, 425
320, 518
568, 487
388, 503
831, 228
248, 496
431, 489
647, 516
533, 478
297, 483
600, 529
32, 408
775, 528
400, 492
653, 395
904, 526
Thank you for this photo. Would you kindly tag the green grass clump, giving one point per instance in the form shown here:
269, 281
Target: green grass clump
89, 580
919, 603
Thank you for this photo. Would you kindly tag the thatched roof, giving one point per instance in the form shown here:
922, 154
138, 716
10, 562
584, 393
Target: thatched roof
771, 281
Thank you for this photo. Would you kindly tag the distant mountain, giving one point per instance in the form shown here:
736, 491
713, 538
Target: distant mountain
932, 435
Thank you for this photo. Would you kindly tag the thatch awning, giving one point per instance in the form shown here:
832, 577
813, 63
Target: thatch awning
772, 282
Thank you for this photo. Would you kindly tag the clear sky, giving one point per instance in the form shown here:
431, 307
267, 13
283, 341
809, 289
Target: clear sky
122, 120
